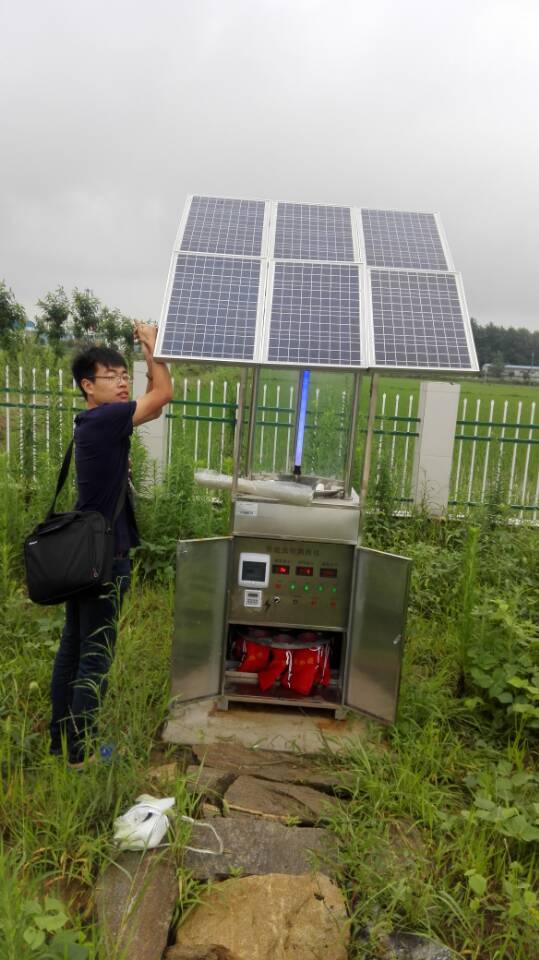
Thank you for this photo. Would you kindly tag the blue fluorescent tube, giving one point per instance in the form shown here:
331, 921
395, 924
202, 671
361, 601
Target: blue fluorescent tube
301, 425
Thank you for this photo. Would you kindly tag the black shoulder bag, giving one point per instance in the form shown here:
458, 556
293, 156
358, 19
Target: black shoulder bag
69, 553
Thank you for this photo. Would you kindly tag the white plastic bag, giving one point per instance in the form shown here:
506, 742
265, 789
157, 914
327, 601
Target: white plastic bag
144, 825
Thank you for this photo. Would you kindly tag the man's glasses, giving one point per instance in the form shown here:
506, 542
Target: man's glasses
118, 379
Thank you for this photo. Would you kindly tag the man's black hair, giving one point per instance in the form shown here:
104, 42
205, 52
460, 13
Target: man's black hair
85, 363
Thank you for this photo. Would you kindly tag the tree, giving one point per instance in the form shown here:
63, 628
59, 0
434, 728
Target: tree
519, 346
85, 309
497, 366
127, 340
12, 317
109, 326
52, 323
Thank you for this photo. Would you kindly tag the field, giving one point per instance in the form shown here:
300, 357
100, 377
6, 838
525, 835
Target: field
496, 452
439, 833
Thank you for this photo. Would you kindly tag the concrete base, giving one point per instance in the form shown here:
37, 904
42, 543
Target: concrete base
256, 725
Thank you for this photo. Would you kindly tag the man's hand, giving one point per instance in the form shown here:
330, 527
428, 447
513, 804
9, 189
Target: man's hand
146, 334
159, 391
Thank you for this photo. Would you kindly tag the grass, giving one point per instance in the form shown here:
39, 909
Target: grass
439, 834
57, 824
421, 849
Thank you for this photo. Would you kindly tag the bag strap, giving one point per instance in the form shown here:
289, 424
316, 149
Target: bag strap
62, 477
120, 503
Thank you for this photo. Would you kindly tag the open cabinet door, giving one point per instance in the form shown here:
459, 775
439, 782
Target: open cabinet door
376, 635
199, 618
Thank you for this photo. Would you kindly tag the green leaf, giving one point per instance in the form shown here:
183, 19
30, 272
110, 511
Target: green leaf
472, 702
482, 679
519, 779
32, 906
33, 937
484, 803
54, 905
51, 921
477, 883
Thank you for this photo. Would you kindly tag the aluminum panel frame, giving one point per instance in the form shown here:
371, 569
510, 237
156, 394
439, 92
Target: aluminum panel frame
200, 606
376, 633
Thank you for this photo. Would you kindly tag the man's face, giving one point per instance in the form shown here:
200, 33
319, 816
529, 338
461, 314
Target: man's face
107, 385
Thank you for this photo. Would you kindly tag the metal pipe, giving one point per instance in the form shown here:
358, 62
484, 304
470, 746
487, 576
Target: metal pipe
300, 427
367, 453
296, 420
352, 436
252, 422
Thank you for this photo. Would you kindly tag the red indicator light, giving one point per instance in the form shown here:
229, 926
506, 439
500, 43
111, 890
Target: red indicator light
281, 568
304, 571
330, 572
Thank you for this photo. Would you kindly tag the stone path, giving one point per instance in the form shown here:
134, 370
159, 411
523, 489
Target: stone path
272, 893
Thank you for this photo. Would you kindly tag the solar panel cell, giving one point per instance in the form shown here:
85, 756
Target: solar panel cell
418, 321
212, 309
315, 315
219, 225
313, 232
396, 239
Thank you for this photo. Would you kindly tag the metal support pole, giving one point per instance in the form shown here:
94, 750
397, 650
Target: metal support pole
252, 421
352, 436
367, 453
236, 467
296, 422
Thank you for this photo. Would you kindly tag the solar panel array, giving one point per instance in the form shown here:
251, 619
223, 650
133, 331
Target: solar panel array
315, 315
417, 320
312, 232
395, 239
285, 283
218, 225
213, 308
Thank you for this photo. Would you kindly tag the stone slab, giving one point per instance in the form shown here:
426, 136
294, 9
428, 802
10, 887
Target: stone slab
208, 782
135, 899
260, 847
274, 917
408, 946
267, 765
255, 725
403, 946
254, 797
211, 951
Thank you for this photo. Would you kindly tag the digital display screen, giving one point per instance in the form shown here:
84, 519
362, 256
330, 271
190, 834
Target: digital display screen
253, 571
282, 568
330, 572
304, 571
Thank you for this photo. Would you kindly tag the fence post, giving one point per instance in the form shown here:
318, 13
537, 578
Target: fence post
433, 455
154, 433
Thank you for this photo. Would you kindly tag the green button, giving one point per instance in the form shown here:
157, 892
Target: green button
306, 587
292, 586
321, 589
334, 589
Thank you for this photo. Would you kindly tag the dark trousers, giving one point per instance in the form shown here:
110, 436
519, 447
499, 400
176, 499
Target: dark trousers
79, 676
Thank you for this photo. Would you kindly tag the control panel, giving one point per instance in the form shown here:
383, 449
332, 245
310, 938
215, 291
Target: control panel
290, 582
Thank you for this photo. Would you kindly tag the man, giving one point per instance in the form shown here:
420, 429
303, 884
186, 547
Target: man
102, 433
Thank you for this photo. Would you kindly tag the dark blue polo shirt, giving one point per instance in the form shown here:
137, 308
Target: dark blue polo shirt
102, 441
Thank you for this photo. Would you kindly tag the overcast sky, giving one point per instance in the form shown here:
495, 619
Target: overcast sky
112, 112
